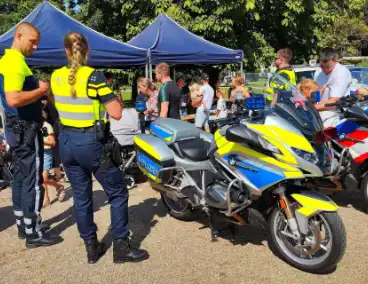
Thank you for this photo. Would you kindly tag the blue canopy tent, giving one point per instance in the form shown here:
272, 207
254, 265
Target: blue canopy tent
167, 41
54, 25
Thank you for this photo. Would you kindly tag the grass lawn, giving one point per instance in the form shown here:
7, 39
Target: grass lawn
127, 95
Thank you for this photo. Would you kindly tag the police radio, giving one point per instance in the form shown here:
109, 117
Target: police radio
100, 128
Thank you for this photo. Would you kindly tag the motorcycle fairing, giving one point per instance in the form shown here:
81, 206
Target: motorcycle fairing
278, 136
257, 165
260, 176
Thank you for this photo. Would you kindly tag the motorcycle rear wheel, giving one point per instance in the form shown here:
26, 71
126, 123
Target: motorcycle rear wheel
180, 209
329, 252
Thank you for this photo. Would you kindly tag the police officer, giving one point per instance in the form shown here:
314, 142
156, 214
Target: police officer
282, 62
82, 98
20, 96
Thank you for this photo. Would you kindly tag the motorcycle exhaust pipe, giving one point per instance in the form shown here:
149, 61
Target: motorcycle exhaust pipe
158, 187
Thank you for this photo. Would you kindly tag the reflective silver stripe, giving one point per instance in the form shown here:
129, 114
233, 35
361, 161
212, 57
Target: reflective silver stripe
72, 100
18, 213
29, 231
80, 115
37, 187
19, 222
27, 221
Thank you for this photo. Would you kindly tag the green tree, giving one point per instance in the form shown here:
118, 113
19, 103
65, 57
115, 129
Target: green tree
13, 11
341, 24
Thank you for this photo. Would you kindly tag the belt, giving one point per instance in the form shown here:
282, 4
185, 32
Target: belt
10, 121
77, 129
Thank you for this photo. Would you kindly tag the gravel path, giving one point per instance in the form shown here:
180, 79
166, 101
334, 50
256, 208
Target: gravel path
179, 252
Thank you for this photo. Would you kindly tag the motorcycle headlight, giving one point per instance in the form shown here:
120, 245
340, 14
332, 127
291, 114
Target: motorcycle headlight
310, 157
268, 146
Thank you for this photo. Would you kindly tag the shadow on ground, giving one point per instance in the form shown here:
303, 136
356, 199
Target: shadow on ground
67, 218
6, 218
140, 223
141, 220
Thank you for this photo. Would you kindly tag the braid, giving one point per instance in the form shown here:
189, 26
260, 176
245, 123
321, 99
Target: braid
77, 44
75, 64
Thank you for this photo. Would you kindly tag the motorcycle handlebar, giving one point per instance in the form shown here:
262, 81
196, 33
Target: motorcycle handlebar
332, 104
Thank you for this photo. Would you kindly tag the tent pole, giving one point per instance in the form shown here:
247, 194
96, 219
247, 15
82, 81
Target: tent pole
146, 72
242, 69
174, 74
150, 70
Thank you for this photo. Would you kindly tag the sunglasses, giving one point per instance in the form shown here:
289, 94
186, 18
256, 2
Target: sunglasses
325, 65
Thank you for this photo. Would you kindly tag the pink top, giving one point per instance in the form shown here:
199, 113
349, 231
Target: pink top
152, 105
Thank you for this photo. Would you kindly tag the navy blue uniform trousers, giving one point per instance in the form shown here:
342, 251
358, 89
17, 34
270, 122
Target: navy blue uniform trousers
80, 155
27, 189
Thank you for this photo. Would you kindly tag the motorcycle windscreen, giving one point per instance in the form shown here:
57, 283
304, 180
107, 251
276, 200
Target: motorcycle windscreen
292, 106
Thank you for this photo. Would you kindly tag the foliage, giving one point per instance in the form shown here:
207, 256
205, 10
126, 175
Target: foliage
341, 24
13, 11
258, 27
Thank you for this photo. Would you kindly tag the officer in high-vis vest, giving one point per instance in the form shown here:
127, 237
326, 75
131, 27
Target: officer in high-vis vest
21, 95
83, 98
282, 62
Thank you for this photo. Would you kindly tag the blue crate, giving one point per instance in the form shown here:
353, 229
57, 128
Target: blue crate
255, 103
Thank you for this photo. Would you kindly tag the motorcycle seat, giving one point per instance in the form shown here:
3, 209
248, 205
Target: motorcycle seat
195, 150
174, 130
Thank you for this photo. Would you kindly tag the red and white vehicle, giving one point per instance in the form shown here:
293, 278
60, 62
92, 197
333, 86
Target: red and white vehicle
351, 144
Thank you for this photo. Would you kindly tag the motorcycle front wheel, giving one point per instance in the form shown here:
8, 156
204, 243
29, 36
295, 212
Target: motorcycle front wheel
317, 252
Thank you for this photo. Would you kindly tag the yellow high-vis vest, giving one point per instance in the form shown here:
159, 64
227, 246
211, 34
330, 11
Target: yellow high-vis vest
288, 74
83, 109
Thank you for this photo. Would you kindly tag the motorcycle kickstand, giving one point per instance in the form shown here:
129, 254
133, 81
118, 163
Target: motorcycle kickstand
214, 231
232, 228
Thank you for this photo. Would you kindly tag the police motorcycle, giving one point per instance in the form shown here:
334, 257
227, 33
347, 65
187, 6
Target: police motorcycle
251, 169
350, 144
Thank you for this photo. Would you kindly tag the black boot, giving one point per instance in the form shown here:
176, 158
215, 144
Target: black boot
34, 241
123, 252
21, 233
94, 249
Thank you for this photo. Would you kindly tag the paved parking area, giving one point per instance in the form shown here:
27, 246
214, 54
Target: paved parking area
179, 252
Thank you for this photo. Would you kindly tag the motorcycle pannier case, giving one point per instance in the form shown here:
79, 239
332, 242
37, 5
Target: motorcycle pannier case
152, 156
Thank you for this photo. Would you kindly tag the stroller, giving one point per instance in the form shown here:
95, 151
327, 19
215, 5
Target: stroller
6, 164
124, 131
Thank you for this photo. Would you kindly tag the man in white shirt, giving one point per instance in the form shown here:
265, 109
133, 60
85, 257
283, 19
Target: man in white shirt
334, 83
203, 111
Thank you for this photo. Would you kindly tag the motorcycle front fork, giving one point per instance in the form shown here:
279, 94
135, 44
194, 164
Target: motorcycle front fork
285, 206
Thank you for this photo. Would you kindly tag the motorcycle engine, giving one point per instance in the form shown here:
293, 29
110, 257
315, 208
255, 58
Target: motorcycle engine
215, 195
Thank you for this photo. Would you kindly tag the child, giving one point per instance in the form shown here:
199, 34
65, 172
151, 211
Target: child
49, 143
307, 87
221, 111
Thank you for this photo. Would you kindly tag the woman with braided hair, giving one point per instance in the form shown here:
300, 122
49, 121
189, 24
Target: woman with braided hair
82, 98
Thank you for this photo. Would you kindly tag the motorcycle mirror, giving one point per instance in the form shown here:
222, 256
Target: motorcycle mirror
356, 113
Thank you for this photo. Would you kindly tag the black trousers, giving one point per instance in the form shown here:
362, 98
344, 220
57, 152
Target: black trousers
27, 189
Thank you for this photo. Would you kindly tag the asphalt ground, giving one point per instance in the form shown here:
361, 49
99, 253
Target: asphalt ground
180, 252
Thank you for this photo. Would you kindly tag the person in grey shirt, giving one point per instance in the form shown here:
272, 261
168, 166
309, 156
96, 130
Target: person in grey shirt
334, 83
127, 127
203, 111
